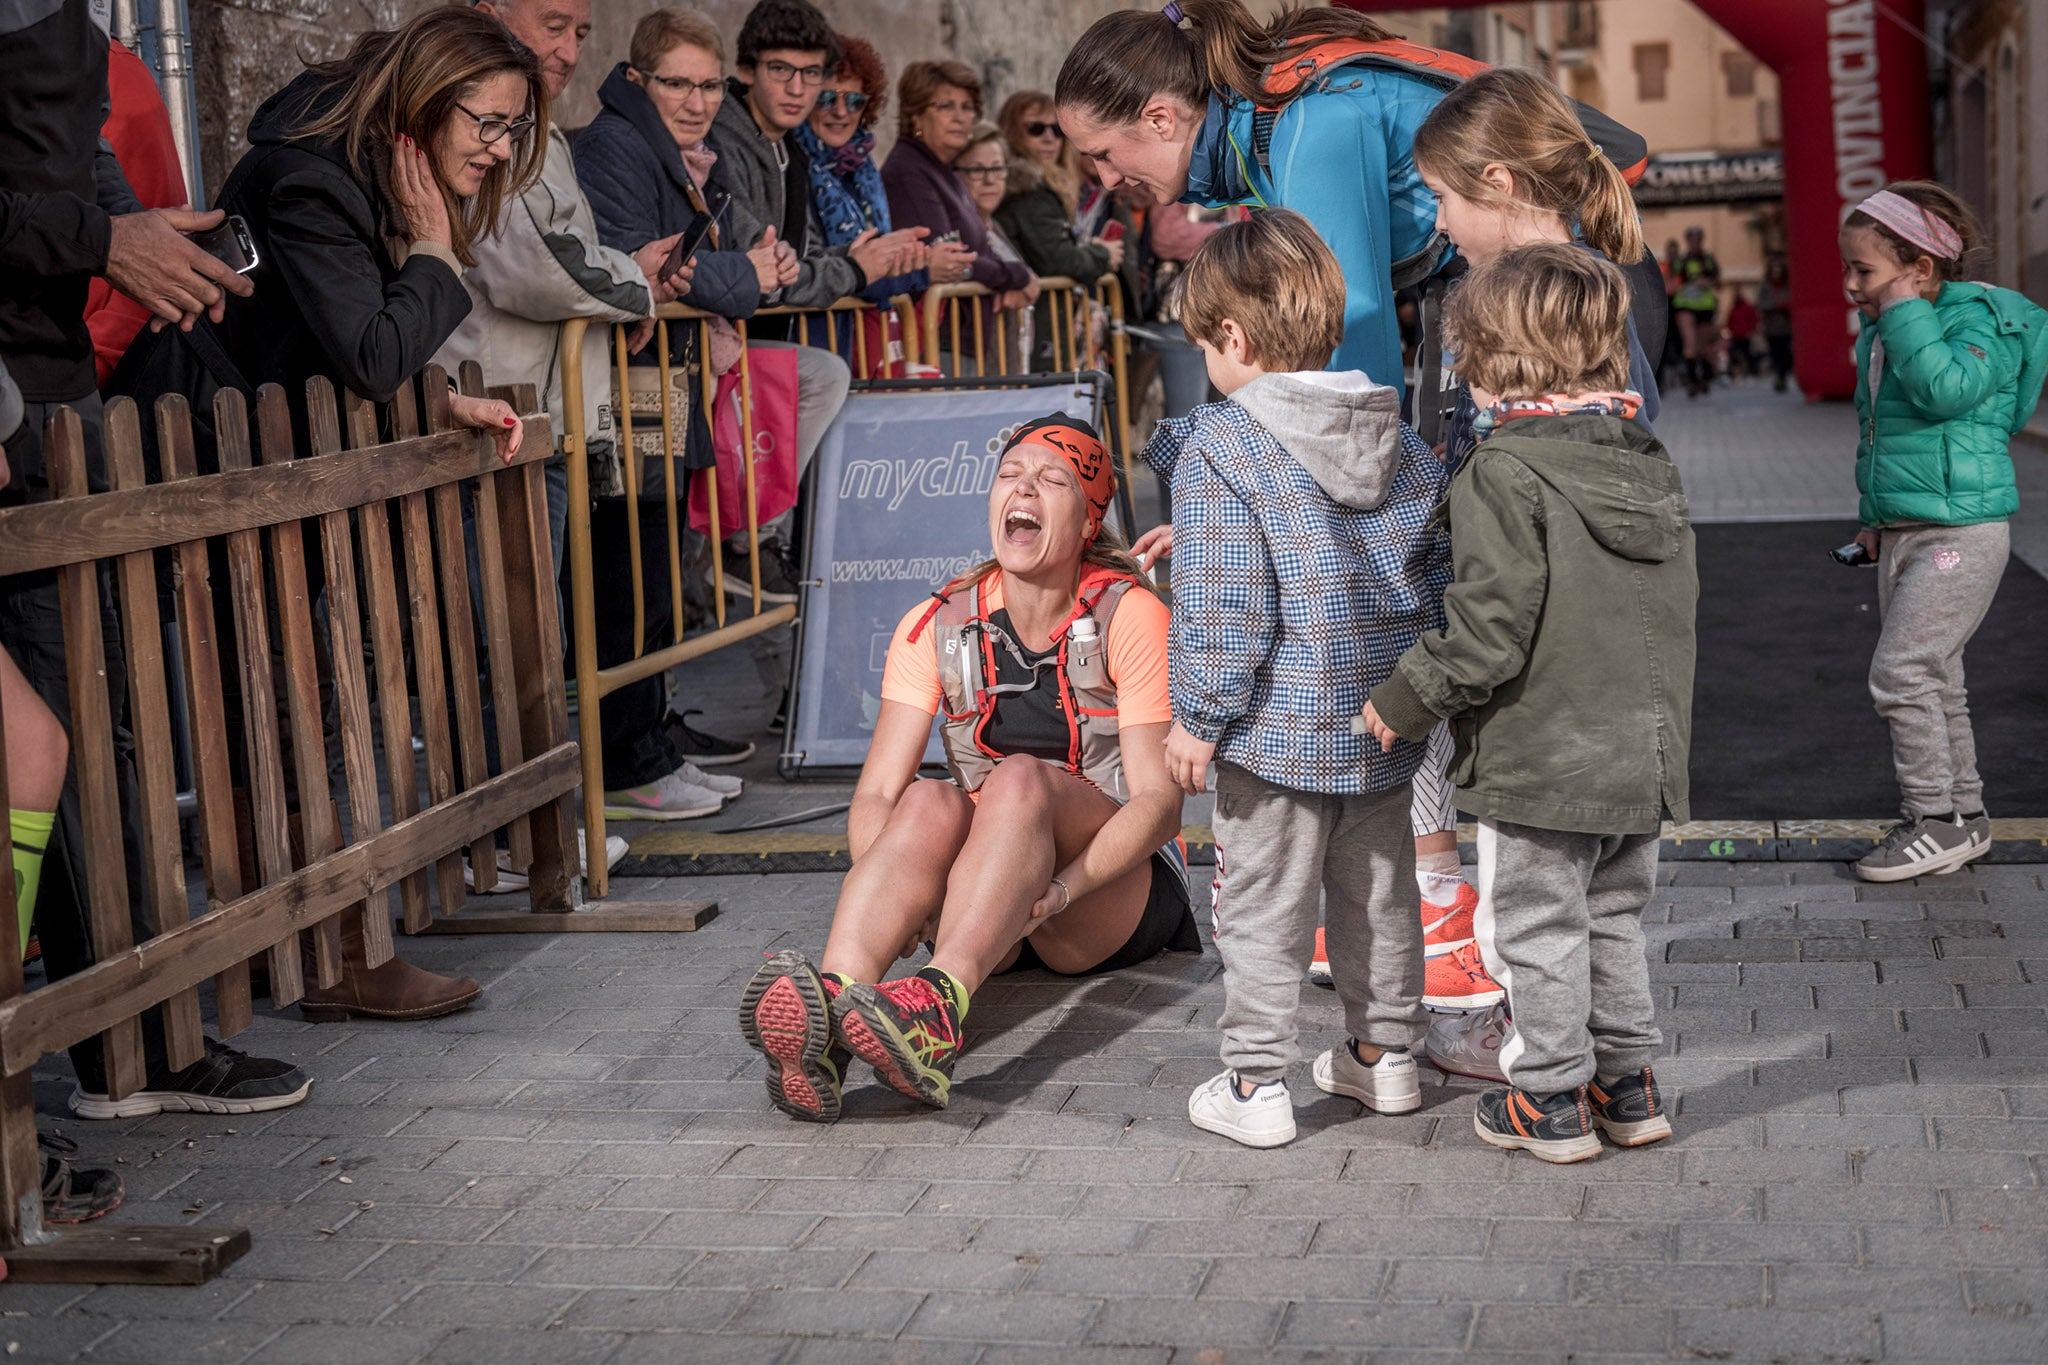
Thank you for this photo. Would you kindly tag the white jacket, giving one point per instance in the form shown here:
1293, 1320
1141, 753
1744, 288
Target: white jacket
544, 267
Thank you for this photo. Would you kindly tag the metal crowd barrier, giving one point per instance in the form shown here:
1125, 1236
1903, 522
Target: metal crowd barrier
595, 682
945, 333
380, 523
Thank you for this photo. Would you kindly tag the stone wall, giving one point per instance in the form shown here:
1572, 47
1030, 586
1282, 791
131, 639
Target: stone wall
246, 49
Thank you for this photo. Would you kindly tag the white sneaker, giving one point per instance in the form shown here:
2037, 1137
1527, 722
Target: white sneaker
1470, 1044
669, 798
1390, 1085
1265, 1119
615, 848
720, 783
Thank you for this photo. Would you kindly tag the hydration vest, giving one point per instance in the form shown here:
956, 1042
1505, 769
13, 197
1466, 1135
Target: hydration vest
965, 641
1316, 59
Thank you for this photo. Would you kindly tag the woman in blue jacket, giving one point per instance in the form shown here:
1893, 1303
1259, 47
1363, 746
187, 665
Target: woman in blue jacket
1171, 100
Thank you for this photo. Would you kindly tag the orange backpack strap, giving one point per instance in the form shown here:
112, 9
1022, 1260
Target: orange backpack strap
1289, 76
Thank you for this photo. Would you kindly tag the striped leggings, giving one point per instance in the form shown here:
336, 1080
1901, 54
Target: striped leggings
1431, 811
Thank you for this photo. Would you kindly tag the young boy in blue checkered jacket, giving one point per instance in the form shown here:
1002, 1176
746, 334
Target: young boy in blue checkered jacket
1307, 557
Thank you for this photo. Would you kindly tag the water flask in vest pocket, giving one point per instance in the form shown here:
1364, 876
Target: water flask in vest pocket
1086, 664
959, 667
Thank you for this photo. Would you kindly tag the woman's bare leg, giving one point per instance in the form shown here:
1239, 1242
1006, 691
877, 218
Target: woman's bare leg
900, 882
1006, 864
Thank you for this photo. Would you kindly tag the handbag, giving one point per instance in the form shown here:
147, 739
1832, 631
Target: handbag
771, 386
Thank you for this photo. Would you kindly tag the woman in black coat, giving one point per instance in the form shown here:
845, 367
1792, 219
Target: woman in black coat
365, 183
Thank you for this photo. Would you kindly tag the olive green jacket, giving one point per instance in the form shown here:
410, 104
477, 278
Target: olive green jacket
1566, 661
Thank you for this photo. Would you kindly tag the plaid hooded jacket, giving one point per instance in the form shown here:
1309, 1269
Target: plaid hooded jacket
1308, 555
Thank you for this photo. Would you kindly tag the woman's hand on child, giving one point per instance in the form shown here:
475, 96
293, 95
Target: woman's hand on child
1155, 545
492, 415
1187, 760
1381, 731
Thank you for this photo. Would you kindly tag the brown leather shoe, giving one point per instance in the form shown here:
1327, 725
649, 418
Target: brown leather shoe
396, 990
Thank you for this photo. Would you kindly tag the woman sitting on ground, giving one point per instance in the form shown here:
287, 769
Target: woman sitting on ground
1055, 845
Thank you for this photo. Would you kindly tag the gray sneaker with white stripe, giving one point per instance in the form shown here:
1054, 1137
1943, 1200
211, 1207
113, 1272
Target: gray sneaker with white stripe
1919, 847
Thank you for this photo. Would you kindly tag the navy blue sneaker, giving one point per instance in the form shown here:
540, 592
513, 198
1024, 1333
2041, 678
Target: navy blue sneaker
1629, 1110
1556, 1128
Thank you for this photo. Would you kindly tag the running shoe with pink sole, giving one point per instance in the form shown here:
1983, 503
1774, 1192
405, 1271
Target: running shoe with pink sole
1458, 981
786, 1016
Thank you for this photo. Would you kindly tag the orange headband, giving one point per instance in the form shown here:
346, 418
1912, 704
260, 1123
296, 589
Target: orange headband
1074, 438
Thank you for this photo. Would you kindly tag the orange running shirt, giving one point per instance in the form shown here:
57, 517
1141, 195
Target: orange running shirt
1136, 658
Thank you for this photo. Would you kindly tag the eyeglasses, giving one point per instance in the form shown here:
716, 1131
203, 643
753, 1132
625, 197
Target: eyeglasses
782, 73
682, 85
1036, 129
855, 100
983, 172
489, 130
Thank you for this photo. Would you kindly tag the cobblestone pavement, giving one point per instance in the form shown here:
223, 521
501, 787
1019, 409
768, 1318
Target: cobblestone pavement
585, 1169
1749, 454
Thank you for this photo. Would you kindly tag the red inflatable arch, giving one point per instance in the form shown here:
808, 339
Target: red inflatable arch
1852, 77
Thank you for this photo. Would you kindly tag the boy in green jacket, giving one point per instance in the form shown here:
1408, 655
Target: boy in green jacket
1566, 665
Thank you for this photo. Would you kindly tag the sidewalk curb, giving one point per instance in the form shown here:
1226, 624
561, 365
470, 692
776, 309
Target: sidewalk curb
680, 853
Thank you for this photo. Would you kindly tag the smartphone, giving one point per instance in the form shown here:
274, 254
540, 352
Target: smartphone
1112, 231
1853, 555
687, 247
229, 242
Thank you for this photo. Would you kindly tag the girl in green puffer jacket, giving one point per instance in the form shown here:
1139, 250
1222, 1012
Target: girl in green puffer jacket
1947, 372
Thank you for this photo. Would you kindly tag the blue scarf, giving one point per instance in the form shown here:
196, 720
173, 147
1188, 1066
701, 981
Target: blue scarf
846, 186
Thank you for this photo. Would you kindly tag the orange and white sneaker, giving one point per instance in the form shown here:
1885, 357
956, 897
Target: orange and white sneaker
1319, 966
1446, 928
1458, 981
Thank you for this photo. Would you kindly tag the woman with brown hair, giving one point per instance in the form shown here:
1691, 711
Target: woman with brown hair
937, 106
366, 181
1055, 846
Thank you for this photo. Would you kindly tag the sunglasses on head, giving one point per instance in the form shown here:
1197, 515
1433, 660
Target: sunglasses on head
1039, 129
855, 100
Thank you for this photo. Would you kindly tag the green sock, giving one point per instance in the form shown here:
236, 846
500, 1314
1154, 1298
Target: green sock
30, 830
950, 987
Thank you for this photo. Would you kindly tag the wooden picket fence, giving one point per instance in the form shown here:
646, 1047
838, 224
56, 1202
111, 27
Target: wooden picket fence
380, 521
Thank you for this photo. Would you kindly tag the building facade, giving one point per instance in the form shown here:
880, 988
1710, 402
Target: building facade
1991, 93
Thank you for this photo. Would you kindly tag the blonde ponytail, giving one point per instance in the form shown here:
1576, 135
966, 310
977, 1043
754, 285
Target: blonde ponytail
1607, 212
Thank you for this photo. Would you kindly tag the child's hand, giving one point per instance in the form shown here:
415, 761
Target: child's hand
1187, 758
1380, 730
1154, 545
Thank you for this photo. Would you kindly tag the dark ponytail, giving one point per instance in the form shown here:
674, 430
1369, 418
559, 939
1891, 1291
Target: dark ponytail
1128, 57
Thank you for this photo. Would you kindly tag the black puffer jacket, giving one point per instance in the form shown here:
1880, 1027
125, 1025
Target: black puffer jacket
334, 296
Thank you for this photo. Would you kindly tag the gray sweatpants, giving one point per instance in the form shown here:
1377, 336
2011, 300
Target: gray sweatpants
1934, 584
1560, 925
1281, 856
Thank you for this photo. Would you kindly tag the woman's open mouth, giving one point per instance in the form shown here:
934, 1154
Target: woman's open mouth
1021, 527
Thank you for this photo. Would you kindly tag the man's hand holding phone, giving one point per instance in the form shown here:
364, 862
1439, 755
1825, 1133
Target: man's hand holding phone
152, 260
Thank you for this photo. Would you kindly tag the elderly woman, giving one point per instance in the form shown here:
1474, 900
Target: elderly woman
1055, 843
937, 105
984, 165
